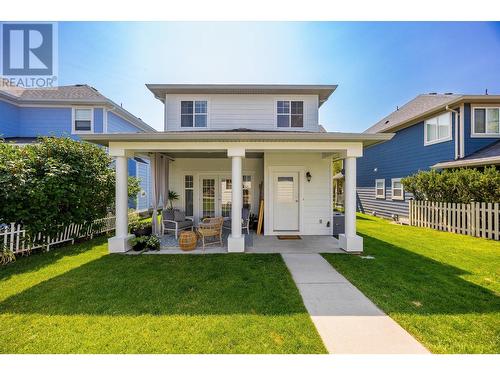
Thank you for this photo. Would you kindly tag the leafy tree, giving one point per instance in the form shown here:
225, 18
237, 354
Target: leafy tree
55, 182
456, 186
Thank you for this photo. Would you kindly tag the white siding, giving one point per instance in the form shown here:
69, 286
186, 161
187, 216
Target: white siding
197, 167
256, 112
317, 197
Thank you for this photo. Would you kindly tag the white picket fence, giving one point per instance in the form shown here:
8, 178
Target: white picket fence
478, 219
13, 236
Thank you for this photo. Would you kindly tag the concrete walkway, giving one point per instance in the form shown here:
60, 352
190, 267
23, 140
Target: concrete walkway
347, 321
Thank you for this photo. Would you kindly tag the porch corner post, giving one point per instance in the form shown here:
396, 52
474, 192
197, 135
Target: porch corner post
349, 241
120, 242
236, 241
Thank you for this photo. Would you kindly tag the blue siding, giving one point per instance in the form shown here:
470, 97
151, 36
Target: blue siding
9, 119
403, 155
35, 122
132, 170
116, 124
471, 145
143, 199
98, 123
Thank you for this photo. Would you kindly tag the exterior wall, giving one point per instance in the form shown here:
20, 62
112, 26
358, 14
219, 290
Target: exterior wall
44, 121
316, 195
117, 124
471, 144
9, 119
132, 171
98, 120
257, 112
220, 166
402, 156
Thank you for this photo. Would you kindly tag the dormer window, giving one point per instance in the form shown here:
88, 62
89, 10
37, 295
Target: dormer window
290, 113
83, 120
194, 113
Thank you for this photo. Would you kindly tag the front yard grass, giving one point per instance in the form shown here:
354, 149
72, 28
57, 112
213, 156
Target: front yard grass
80, 299
441, 287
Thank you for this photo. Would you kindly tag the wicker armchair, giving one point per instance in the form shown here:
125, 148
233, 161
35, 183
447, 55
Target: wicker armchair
210, 231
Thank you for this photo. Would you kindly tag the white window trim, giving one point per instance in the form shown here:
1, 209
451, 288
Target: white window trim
473, 133
289, 114
376, 183
402, 198
441, 140
73, 130
193, 100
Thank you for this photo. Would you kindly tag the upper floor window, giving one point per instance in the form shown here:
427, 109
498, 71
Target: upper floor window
290, 114
194, 113
82, 120
486, 122
437, 129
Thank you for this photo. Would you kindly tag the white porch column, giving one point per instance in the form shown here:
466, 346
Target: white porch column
349, 241
236, 241
120, 242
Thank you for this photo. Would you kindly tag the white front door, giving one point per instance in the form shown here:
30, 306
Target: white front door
286, 201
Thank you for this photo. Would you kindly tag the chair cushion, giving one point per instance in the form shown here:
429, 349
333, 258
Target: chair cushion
179, 215
185, 224
168, 214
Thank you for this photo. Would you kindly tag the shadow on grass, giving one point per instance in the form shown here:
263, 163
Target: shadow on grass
40, 259
166, 285
401, 281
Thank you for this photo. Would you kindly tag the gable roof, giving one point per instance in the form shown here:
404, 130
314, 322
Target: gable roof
489, 155
323, 91
413, 109
425, 106
72, 95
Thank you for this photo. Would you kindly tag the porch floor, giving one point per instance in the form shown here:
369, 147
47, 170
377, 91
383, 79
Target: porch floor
259, 244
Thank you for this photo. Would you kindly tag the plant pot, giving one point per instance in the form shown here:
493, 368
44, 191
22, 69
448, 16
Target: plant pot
140, 246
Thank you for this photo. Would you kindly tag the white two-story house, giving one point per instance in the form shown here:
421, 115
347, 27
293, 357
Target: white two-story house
225, 147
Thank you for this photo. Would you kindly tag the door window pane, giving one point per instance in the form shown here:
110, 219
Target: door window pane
226, 190
284, 190
188, 195
208, 197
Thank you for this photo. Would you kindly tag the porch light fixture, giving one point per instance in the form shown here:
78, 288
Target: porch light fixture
308, 176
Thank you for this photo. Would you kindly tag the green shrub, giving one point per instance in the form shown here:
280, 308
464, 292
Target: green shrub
456, 186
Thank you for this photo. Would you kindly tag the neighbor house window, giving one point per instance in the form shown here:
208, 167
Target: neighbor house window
194, 113
380, 188
82, 120
397, 189
290, 114
188, 195
438, 129
486, 122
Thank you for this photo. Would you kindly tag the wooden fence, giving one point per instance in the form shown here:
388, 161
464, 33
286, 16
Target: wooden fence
478, 219
13, 236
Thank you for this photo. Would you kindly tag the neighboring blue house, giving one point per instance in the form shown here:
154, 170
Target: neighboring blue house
431, 131
26, 114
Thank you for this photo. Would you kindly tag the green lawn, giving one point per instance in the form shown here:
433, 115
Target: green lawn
443, 288
80, 299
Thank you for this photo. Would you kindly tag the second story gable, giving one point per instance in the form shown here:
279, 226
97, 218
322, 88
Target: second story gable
66, 110
252, 107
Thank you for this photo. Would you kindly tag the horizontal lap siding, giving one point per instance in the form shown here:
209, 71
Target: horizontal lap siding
403, 155
143, 173
116, 124
9, 120
242, 111
472, 145
367, 203
35, 122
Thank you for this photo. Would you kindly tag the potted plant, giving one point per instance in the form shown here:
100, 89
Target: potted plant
172, 196
139, 227
153, 242
139, 243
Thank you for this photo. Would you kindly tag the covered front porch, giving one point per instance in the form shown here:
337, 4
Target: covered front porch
286, 179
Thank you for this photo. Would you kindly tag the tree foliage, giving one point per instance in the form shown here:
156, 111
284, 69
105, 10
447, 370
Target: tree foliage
456, 186
55, 182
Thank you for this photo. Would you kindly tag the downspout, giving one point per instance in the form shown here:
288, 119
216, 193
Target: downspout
457, 115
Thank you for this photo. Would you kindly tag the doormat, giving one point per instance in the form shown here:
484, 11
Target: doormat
289, 237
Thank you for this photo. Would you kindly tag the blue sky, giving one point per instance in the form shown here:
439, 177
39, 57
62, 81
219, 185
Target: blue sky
377, 65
